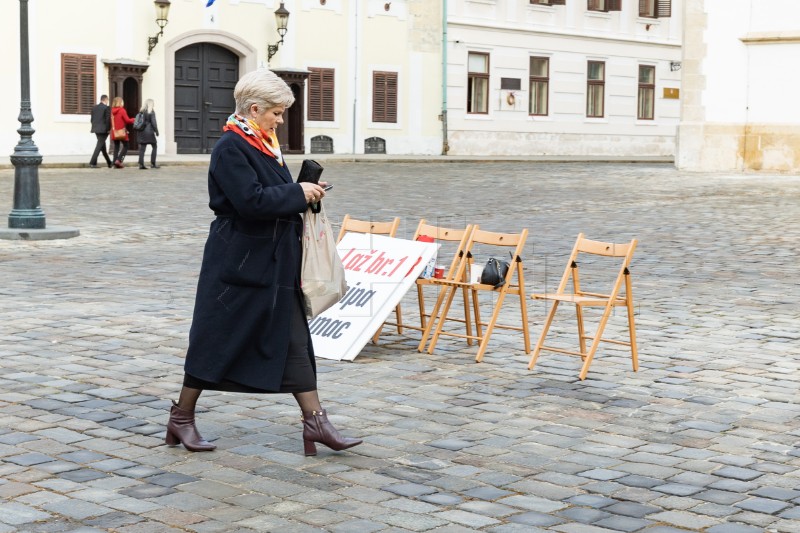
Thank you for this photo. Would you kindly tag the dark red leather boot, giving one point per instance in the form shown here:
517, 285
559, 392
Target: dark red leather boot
181, 429
317, 428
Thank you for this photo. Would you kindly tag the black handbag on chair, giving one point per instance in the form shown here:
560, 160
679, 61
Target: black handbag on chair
494, 273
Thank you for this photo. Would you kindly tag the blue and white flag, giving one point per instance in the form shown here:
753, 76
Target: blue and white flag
209, 3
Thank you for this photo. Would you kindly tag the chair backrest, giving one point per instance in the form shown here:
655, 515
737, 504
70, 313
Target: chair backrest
353, 225
510, 240
439, 233
584, 246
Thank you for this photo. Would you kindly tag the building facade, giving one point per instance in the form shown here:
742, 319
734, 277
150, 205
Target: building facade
738, 79
563, 77
460, 77
361, 70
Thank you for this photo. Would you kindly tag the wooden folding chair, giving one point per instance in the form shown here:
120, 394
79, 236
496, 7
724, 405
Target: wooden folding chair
514, 284
353, 225
388, 228
439, 234
581, 298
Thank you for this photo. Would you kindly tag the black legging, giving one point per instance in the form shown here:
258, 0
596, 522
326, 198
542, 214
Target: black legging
119, 155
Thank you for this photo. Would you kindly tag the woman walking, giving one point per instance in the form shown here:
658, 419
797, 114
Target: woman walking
148, 135
249, 331
120, 120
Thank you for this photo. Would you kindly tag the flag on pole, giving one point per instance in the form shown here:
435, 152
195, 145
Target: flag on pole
209, 3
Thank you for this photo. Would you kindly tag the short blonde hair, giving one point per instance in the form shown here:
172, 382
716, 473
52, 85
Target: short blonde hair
117, 102
263, 88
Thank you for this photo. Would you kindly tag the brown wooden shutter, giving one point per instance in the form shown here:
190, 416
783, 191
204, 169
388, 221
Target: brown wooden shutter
77, 83
643, 8
558, 2
320, 94
314, 94
663, 8
384, 96
69, 84
327, 94
613, 5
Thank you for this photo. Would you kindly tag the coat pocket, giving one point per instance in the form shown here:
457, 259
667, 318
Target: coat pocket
249, 261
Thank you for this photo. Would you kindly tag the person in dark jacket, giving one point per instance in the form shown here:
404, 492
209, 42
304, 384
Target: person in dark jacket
101, 122
148, 135
249, 331
120, 120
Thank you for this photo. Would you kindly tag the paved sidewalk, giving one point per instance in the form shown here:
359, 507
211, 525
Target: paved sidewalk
703, 438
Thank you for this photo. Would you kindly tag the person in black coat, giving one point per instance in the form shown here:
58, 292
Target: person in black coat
148, 134
249, 331
101, 122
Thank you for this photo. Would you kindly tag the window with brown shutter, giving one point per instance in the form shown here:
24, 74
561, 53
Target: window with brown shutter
655, 8
384, 97
604, 5
321, 94
78, 83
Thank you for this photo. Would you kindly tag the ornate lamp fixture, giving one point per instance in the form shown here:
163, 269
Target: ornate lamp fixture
281, 21
162, 11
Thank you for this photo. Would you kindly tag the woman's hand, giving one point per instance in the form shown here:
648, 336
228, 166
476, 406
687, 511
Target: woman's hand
313, 192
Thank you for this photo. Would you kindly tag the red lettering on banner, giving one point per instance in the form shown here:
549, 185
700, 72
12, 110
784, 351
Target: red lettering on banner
410, 270
403, 260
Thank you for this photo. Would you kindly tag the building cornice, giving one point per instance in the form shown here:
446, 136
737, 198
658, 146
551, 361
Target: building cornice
483, 25
771, 37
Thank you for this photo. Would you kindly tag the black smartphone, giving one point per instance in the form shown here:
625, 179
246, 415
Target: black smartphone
328, 187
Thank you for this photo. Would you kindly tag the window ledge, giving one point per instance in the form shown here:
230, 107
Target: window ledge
384, 126
646, 122
477, 116
599, 14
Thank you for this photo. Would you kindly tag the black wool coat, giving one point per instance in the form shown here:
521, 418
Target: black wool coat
250, 275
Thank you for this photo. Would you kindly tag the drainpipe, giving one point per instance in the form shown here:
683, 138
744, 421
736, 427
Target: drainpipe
355, 73
445, 145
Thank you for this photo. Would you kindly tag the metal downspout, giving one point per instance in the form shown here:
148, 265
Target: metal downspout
445, 144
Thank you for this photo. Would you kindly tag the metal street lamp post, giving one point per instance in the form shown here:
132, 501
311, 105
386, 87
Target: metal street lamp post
27, 212
26, 220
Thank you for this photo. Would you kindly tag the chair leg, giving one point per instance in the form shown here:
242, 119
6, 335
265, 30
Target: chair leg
538, 348
523, 303
476, 312
432, 319
421, 301
490, 326
467, 321
581, 331
632, 331
595, 342
451, 292
398, 313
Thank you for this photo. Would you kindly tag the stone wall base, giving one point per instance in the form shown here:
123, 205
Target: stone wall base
742, 147
512, 143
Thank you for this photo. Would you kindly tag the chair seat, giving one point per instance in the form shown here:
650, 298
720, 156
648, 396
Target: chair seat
578, 299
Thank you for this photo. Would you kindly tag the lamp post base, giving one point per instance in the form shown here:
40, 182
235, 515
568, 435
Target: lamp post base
33, 234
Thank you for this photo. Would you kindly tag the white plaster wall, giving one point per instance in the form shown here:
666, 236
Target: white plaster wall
512, 32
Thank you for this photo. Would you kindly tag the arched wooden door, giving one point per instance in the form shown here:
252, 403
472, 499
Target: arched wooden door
205, 75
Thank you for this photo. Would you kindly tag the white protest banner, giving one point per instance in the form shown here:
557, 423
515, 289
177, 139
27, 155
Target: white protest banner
379, 271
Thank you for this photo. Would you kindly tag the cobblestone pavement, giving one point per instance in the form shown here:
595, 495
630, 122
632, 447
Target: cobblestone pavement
703, 438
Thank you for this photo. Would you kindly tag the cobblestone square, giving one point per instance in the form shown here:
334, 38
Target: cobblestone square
704, 437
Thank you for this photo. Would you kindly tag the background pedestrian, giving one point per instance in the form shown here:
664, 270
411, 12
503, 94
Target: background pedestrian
101, 122
120, 120
148, 134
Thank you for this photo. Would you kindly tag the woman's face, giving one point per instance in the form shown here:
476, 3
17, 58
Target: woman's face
269, 119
